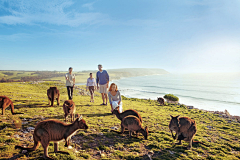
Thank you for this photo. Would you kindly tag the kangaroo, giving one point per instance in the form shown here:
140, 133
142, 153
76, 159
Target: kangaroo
53, 93
185, 129
161, 101
54, 130
120, 116
5, 102
69, 108
132, 123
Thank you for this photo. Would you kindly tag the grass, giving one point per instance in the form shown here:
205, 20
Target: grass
222, 137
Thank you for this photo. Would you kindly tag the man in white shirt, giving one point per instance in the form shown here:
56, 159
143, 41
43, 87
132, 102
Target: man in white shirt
70, 83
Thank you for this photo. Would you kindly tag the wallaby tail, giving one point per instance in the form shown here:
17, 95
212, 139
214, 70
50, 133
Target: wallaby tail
35, 147
52, 98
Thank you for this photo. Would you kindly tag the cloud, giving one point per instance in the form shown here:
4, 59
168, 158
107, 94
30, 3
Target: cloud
54, 12
88, 5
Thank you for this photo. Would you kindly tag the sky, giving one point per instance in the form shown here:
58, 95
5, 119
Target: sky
187, 36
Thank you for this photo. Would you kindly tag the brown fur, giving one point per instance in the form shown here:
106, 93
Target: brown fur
54, 130
185, 129
69, 108
132, 123
161, 101
53, 93
5, 102
126, 113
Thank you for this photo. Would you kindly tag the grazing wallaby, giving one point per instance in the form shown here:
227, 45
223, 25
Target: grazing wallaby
126, 113
132, 123
54, 130
69, 108
53, 93
161, 101
185, 129
5, 102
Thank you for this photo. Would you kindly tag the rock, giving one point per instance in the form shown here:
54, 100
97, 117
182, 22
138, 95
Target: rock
99, 152
16, 136
30, 128
70, 147
24, 123
103, 155
24, 151
171, 152
209, 127
114, 128
101, 134
190, 107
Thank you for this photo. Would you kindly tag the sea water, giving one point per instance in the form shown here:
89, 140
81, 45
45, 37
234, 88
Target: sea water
213, 92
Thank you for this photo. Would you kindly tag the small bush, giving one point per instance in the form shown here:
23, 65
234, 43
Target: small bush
171, 97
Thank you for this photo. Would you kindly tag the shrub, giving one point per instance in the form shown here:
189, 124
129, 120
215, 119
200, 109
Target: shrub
171, 97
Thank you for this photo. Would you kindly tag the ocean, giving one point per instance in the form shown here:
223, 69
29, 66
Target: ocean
213, 92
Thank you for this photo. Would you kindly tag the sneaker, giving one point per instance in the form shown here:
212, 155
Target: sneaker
106, 104
102, 104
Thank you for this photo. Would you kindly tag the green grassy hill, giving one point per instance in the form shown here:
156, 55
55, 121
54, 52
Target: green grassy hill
222, 135
81, 77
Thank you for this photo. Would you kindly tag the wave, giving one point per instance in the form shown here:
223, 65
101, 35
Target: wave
192, 90
179, 95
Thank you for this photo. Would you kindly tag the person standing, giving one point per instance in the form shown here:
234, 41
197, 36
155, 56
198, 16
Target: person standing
115, 98
91, 85
70, 82
102, 78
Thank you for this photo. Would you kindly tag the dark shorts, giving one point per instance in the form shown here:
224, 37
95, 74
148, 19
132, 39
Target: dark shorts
91, 89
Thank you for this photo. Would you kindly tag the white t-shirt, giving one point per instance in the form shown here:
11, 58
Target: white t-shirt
70, 77
91, 82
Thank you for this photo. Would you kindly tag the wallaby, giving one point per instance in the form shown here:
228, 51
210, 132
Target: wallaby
69, 108
53, 93
132, 123
5, 102
54, 130
161, 101
120, 116
185, 129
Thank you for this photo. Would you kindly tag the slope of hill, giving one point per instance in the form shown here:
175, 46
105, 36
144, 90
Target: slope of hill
220, 136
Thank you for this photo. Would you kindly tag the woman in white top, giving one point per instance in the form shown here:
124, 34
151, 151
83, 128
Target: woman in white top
115, 98
91, 85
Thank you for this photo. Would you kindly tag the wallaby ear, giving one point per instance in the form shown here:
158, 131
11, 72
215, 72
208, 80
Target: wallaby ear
170, 115
80, 118
78, 115
146, 128
177, 116
71, 105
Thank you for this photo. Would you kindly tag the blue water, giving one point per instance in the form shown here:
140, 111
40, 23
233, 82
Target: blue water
214, 92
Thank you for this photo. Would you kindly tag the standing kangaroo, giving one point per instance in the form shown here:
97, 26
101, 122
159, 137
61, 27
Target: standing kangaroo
53, 93
69, 108
126, 113
132, 123
4, 103
185, 129
54, 130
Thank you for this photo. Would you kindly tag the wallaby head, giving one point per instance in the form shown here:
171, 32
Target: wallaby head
53, 87
81, 122
174, 123
115, 112
145, 132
